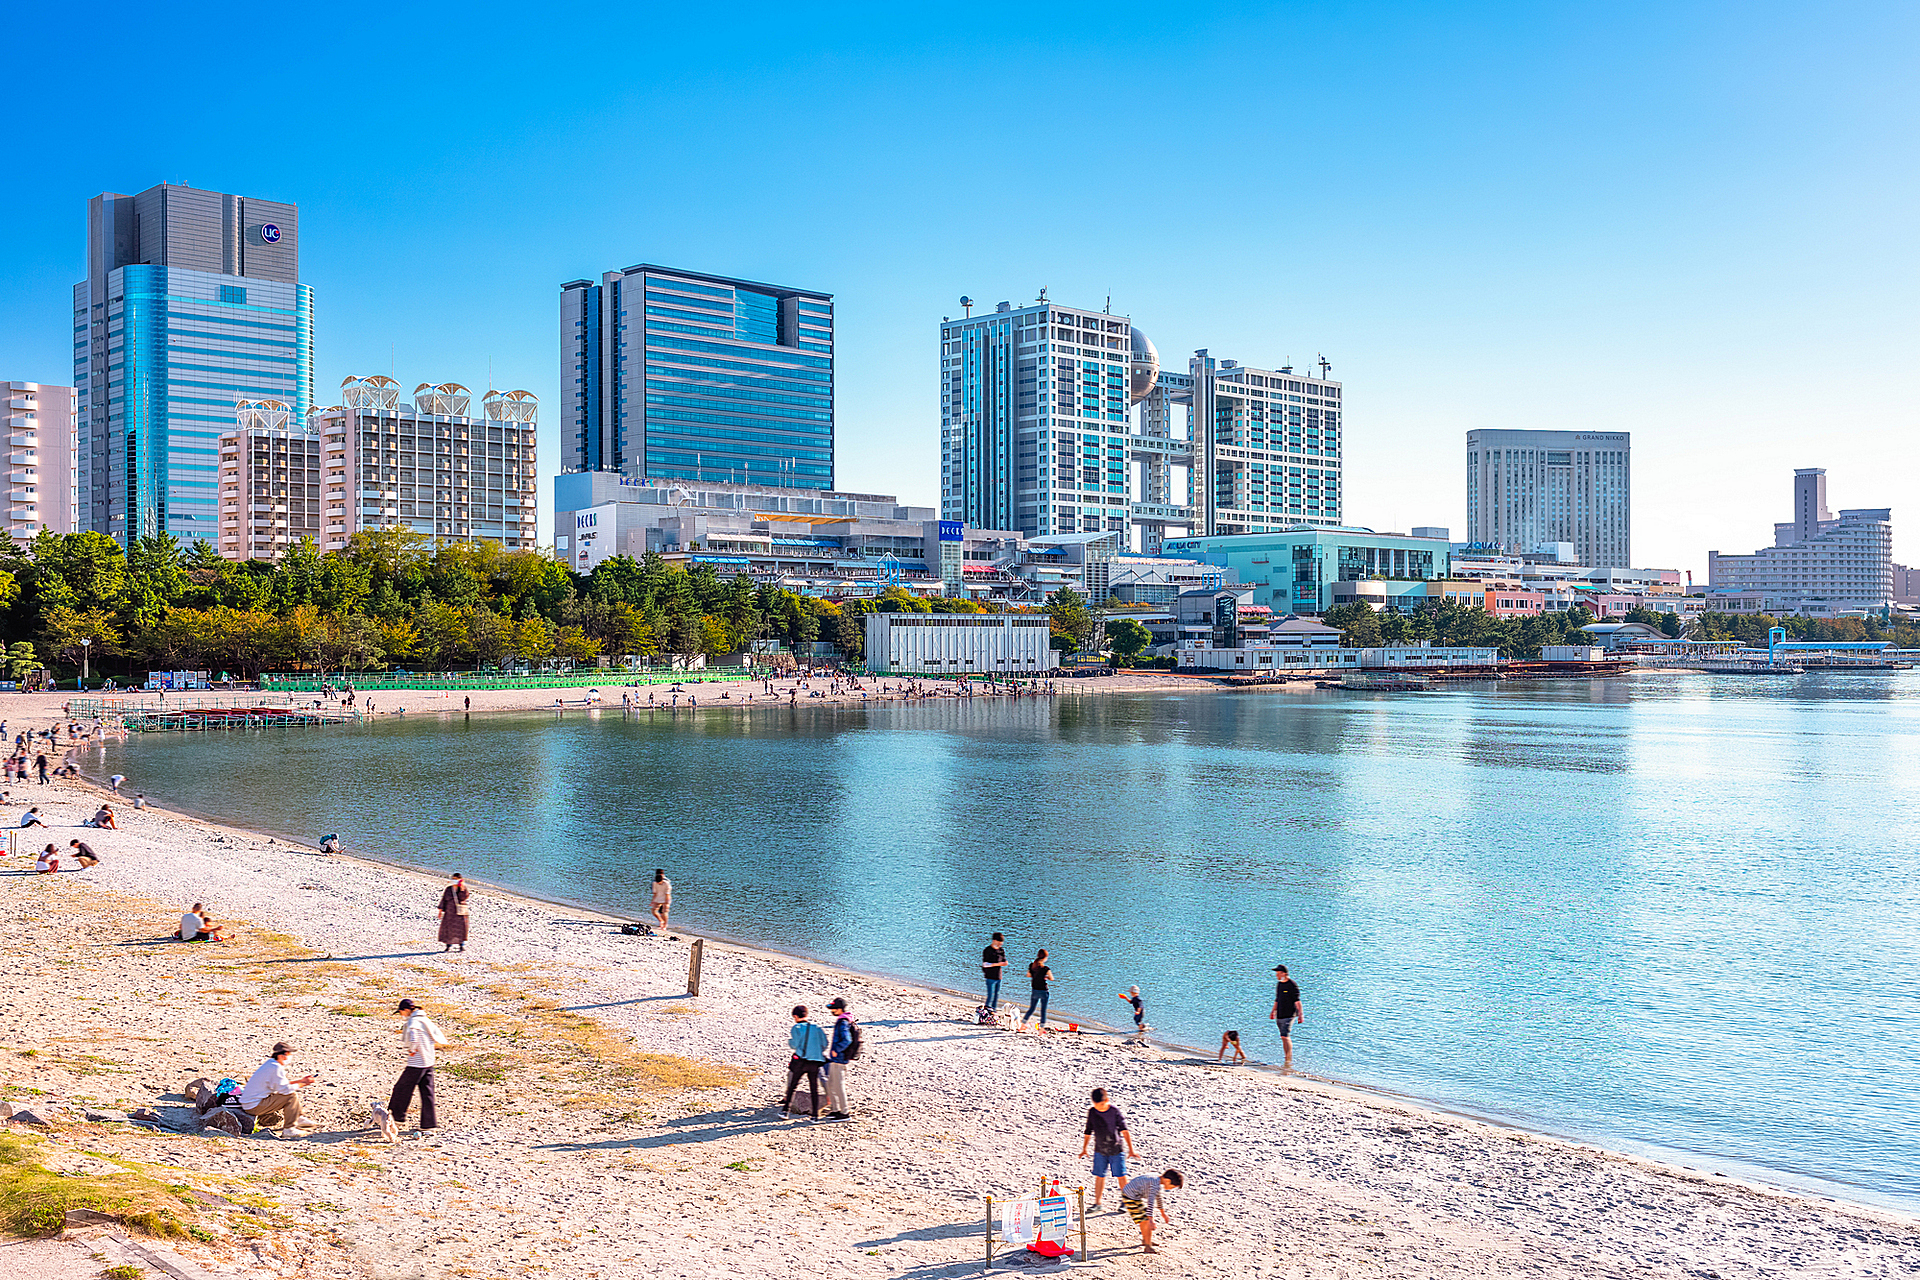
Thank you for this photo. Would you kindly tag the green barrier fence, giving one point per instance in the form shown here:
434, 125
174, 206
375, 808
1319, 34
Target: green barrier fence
610, 678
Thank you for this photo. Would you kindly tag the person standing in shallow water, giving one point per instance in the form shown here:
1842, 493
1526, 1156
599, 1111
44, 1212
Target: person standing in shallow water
453, 914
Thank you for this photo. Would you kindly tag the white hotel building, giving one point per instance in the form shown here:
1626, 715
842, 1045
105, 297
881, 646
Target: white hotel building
1526, 489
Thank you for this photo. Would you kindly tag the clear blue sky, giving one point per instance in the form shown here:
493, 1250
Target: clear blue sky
1695, 222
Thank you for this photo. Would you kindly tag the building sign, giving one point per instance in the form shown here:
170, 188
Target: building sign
953, 531
269, 233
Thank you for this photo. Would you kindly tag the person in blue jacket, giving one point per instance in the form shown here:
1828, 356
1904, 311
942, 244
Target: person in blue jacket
809, 1044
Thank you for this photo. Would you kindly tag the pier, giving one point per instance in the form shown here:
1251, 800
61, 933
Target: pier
143, 713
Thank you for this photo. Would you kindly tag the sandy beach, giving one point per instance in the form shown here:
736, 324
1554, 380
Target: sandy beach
598, 1120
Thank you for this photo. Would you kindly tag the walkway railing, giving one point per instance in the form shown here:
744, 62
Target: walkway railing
472, 681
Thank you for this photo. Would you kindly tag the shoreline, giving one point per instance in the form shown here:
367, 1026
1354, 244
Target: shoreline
1758, 1179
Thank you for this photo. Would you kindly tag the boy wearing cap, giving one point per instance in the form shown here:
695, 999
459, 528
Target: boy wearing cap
1287, 1010
421, 1038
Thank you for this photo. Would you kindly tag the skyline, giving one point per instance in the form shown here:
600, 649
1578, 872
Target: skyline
1467, 214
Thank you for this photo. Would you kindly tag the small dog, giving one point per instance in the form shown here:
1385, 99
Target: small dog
384, 1120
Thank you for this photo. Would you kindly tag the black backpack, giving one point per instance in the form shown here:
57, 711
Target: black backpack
856, 1044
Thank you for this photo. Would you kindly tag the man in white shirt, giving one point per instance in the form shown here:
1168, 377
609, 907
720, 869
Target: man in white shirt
421, 1038
269, 1093
191, 924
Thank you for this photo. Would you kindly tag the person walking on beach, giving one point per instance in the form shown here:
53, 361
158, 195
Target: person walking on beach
993, 963
809, 1045
1141, 1197
1106, 1130
843, 1048
1287, 1010
1039, 975
421, 1038
40, 764
1132, 996
662, 896
270, 1093
453, 914
467, 706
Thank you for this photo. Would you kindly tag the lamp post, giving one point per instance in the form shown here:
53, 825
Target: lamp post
86, 652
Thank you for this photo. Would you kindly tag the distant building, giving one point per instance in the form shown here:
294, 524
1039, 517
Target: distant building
269, 483
1526, 488
1158, 580
1297, 570
681, 376
1431, 531
428, 465
1818, 564
42, 458
192, 303
999, 644
1906, 585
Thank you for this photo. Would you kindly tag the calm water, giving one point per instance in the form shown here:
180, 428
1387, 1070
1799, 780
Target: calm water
1674, 914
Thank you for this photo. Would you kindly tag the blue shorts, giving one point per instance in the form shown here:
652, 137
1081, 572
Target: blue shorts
1109, 1166
1286, 1025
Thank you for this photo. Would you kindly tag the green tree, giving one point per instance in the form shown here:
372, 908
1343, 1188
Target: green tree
1127, 638
1071, 620
21, 661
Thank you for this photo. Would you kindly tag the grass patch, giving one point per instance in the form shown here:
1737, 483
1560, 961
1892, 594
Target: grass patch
34, 1200
123, 1271
678, 1008
352, 1011
488, 1068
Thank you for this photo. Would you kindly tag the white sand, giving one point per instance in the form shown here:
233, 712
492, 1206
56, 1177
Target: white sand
1286, 1178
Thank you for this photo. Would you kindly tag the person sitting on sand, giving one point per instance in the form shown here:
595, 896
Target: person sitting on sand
83, 853
32, 818
270, 1094
1230, 1038
211, 932
192, 926
48, 861
104, 819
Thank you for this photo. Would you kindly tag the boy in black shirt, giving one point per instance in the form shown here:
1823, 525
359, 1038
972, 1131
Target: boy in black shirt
1287, 1010
993, 963
1106, 1130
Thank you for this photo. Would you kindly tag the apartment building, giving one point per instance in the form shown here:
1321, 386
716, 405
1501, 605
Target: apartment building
428, 465
1819, 564
41, 458
269, 483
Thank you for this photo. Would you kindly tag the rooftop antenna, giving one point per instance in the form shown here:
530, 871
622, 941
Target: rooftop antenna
1324, 367
1109, 310
967, 305
1043, 293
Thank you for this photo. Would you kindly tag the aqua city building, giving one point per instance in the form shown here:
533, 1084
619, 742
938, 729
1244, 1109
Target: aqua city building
1058, 420
1298, 570
682, 376
1526, 489
192, 304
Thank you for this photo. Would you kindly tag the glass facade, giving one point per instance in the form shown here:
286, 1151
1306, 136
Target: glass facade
1293, 570
675, 375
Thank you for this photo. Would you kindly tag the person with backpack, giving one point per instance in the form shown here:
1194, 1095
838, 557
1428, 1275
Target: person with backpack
809, 1045
845, 1048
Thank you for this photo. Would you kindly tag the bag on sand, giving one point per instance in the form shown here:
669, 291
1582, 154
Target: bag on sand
985, 1017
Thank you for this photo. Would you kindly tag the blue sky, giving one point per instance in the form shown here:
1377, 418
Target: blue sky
1693, 222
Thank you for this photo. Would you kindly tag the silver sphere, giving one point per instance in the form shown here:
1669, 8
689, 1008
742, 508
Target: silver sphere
1146, 366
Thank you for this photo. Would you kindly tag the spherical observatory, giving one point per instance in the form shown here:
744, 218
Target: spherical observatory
1146, 366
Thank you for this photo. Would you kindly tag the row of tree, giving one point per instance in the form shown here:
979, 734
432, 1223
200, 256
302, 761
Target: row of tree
393, 598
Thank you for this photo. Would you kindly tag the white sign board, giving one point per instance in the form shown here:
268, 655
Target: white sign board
1019, 1221
1054, 1218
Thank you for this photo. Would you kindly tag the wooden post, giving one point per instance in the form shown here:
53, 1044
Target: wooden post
693, 967
989, 1231
1080, 1194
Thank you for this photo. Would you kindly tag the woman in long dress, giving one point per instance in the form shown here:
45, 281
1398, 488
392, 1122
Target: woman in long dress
453, 915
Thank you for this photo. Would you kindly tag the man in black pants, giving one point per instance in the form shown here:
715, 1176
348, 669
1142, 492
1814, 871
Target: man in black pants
809, 1044
421, 1038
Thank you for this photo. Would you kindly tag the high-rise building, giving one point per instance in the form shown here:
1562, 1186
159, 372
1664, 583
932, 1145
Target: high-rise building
1529, 488
678, 375
427, 466
41, 458
192, 303
1058, 420
269, 483
1817, 564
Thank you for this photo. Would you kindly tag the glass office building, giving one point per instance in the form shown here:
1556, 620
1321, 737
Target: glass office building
192, 304
677, 375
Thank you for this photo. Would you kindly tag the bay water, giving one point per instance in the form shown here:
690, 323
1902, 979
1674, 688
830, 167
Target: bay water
1668, 914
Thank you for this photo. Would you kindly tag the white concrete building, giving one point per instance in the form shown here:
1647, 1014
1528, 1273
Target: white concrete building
428, 466
1818, 564
1003, 644
269, 483
42, 458
1529, 488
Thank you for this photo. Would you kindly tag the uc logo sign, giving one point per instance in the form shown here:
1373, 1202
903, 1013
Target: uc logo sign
269, 233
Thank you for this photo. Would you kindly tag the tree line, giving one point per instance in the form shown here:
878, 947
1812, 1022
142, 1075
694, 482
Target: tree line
394, 598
